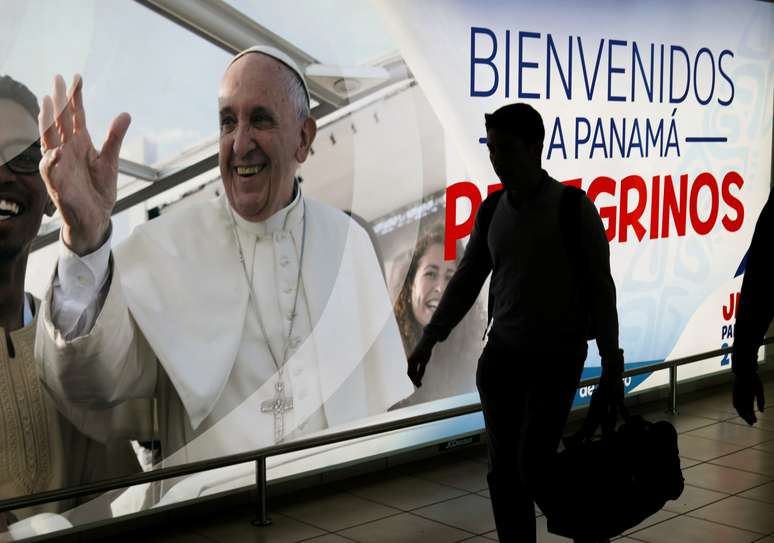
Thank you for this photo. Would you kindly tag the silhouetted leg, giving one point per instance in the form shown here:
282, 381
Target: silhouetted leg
526, 398
503, 402
550, 382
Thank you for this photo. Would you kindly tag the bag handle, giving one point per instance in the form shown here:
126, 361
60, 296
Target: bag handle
593, 421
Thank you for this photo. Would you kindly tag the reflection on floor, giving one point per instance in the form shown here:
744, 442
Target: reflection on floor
729, 496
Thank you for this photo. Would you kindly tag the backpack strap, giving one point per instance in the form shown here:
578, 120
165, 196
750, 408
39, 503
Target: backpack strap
484, 220
570, 222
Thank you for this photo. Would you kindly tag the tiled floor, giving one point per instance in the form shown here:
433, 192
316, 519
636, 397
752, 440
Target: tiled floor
728, 498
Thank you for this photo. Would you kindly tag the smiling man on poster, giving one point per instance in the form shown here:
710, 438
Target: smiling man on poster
262, 302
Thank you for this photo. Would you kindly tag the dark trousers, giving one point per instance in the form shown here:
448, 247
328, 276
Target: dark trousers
526, 397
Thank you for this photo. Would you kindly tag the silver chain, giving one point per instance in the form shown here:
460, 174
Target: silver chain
251, 288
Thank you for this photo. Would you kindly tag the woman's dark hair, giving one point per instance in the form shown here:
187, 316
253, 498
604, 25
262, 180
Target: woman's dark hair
410, 329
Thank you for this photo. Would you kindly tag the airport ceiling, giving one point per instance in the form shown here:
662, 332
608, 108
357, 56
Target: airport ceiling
162, 60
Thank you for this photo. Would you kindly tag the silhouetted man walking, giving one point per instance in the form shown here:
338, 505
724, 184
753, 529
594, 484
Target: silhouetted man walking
549, 283
756, 309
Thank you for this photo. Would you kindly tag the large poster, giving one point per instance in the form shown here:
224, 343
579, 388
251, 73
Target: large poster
661, 112
227, 336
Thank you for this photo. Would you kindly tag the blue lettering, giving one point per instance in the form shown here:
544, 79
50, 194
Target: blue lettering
619, 138
723, 74
661, 76
578, 139
654, 139
706, 51
557, 130
523, 64
590, 89
672, 139
635, 142
648, 81
672, 50
566, 82
726, 359
599, 139
507, 63
611, 70
474, 31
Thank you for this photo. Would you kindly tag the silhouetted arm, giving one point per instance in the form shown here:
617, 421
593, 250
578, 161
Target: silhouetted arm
465, 285
756, 302
755, 311
596, 251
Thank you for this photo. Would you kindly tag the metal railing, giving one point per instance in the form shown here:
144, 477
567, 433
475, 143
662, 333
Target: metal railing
259, 455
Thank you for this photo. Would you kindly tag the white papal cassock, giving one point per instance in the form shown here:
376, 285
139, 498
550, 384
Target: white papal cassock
177, 324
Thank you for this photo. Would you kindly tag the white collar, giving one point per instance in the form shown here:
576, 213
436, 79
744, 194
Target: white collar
285, 219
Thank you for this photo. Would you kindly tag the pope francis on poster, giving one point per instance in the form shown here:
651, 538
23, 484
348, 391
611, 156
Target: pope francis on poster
244, 321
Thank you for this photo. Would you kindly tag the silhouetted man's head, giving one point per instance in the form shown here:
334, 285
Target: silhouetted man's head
515, 140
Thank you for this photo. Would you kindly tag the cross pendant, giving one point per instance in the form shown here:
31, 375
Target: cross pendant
278, 406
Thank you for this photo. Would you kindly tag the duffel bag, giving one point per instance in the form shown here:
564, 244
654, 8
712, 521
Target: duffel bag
603, 487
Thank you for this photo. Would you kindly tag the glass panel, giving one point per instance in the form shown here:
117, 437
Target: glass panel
131, 60
401, 173
318, 28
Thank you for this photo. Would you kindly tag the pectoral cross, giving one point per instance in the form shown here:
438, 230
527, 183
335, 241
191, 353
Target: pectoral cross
278, 406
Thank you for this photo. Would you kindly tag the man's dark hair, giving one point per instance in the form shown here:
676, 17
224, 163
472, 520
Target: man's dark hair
10, 89
520, 120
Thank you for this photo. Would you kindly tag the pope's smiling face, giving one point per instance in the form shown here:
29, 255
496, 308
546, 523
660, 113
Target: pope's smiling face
432, 277
23, 197
263, 139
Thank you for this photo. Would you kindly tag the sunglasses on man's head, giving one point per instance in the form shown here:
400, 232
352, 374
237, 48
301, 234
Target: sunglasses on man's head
21, 158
